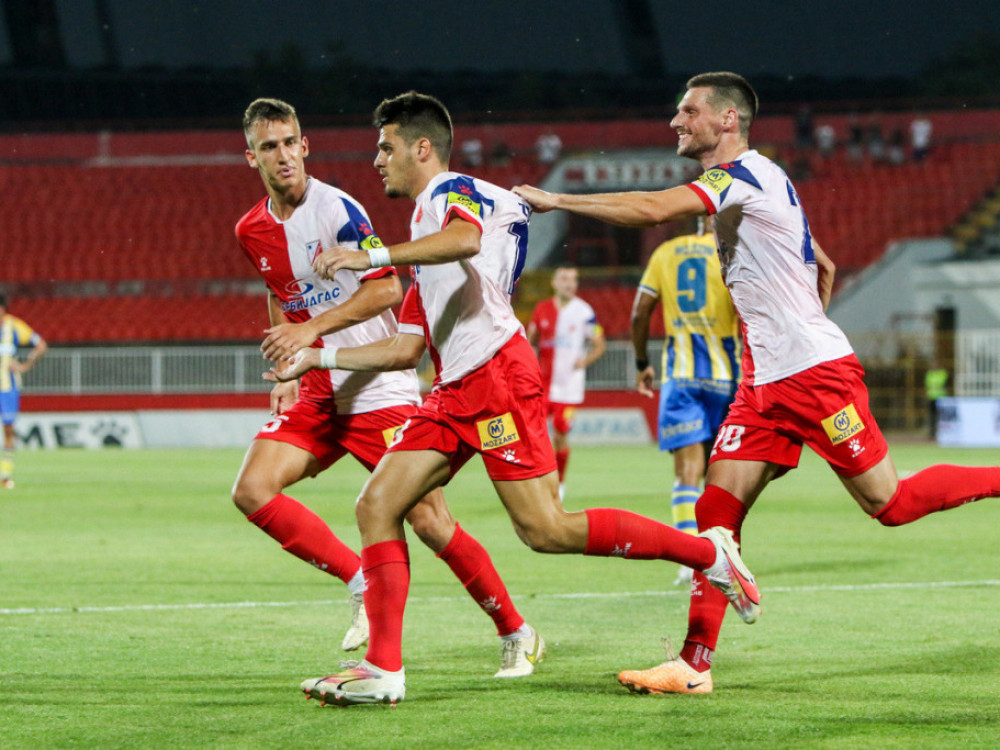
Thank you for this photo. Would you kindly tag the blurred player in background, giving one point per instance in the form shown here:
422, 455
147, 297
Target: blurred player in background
701, 355
332, 414
15, 335
801, 380
467, 249
569, 339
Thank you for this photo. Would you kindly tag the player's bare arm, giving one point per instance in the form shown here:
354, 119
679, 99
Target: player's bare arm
825, 273
460, 239
19, 367
632, 209
594, 352
374, 297
399, 352
642, 311
532, 334
283, 395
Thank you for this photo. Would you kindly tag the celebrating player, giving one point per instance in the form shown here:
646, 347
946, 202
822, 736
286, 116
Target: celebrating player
568, 338
700, 365
467, 250
801, 380
332, 414
15, 334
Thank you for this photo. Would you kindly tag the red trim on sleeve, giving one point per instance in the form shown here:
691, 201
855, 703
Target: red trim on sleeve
379, 273
704, 197
464, 214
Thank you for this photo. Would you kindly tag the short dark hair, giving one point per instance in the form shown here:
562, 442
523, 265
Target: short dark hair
267, 110
418, 116
730, 90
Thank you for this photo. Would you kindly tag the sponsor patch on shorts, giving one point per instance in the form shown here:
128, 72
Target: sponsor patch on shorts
497, 432
844, 424
391, 434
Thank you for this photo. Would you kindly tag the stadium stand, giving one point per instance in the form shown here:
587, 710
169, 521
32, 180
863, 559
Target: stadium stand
129, 238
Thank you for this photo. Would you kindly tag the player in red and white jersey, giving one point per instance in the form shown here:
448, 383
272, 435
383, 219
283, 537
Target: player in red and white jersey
467, 259
565, 331
802, 383
469, 301
333, 413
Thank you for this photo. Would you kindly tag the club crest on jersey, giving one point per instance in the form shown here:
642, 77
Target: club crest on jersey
843, 425
716, 180
497, 432
314, 248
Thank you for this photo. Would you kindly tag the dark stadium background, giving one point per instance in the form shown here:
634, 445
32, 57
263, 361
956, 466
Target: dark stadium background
121, 158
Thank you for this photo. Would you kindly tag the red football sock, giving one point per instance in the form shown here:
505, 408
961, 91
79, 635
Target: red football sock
620, 533
562, 458
471, 563
387, 575
715, 507
938, 488
304, 534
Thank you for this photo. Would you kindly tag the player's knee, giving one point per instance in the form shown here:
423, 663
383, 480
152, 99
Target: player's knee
542, 535
248, 496
435, 529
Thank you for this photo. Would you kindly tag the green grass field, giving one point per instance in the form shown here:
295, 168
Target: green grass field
140, 610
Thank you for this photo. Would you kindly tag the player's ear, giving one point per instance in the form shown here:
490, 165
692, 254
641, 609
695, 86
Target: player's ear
305, 147
251, 158
424, 149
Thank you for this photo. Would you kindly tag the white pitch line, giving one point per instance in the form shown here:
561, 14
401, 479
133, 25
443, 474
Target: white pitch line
860, 587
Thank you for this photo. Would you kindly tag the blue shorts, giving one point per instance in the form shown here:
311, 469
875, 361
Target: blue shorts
10, 405
691, 411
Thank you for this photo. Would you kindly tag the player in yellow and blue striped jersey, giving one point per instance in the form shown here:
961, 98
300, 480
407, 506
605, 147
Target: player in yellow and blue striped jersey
701, 355
15, 334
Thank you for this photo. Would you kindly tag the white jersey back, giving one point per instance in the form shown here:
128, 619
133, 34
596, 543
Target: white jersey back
464, 306
769, 266
283, 253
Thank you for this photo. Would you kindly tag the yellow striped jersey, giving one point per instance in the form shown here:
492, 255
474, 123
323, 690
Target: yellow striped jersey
14, 334
701, 324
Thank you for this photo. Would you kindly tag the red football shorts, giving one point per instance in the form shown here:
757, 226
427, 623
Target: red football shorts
497, 411
825, 407
562, 416
313, 425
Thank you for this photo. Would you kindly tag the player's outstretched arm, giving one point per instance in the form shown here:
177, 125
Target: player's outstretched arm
633, 209
400, 352
460, 239
373, 298
642, 311
825, 273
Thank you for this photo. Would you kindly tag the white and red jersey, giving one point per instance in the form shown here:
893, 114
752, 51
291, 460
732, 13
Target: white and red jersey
564, 337
283, 253
769, 266
463, 308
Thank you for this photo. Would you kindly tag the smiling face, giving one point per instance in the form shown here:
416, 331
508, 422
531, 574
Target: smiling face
396, 162
699, 125
277, 149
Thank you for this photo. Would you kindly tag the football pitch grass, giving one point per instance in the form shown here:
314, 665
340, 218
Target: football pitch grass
140, 610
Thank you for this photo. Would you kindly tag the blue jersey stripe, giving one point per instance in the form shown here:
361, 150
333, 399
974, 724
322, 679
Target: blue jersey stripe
702, 359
